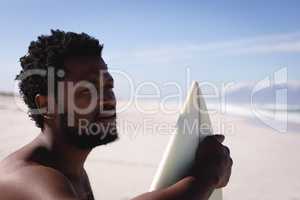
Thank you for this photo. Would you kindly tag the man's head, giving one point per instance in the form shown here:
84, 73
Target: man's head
66, 85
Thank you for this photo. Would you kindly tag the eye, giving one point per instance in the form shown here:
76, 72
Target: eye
85, 92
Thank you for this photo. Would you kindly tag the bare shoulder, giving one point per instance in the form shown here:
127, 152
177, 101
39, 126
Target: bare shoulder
21, 180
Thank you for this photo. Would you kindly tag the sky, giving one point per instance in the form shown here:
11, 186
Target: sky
219, 41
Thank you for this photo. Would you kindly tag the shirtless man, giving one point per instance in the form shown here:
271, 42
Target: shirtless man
51, 167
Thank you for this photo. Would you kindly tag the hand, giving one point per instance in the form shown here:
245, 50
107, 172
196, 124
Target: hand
213, 163
211, 170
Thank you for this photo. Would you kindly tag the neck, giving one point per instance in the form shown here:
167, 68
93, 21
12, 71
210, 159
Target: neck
65, 157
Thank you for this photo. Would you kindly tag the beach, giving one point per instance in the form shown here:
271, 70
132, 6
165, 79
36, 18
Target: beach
266, 162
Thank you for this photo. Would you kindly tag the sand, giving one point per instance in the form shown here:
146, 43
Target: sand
266, 163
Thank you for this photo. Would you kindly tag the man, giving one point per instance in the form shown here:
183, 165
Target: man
69, 93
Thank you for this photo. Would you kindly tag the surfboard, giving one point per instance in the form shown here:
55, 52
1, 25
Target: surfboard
192, 126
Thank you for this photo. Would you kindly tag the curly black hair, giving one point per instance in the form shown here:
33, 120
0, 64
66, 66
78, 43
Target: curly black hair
51, 51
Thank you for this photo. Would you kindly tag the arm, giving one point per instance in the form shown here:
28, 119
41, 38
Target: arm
211, 170
187, 188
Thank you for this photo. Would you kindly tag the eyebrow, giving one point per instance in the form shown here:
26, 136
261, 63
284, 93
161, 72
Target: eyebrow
107, 81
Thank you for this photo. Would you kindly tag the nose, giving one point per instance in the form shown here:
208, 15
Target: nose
107, 105
107, 99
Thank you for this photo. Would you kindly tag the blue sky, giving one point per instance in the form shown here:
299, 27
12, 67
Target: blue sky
156, 40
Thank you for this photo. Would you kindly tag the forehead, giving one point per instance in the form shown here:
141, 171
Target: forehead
84, 68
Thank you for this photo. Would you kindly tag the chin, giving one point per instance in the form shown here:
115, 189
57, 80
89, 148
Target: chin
91, 138
90, 142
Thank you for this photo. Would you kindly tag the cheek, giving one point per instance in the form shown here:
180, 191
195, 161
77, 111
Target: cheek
80, 109
84, 117
75, 100
85, 107
82, 103
82, 120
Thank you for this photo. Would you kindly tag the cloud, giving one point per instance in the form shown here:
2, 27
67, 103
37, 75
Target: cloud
265, 44
241, 92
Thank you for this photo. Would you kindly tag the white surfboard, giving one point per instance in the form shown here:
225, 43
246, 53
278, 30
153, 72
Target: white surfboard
192, 126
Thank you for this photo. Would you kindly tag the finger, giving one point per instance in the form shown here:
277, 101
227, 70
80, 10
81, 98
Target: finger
220, 138
227, 156
229, 171
230, 162
225, 180
226, 150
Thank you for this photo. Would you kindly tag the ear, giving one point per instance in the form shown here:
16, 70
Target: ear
41, 102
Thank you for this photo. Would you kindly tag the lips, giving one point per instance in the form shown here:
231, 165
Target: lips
108, 116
